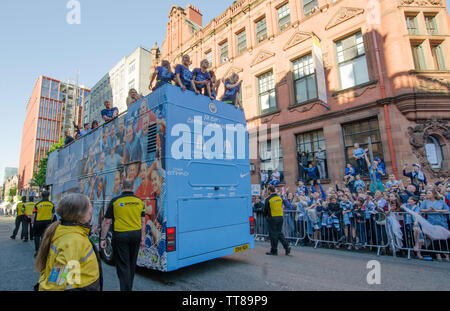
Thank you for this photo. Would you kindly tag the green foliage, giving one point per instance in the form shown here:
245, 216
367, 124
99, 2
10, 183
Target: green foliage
12, 192
39, 178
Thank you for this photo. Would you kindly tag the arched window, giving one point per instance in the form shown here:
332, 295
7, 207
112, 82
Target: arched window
434, 152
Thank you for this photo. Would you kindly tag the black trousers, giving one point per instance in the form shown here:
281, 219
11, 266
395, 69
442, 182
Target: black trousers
275, 234
19, 221
26, 227
38, 231
126, 248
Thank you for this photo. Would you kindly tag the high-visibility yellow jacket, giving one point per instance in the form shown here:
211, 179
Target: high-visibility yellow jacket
72, 262
29, 207
273, 206
20, 208
44, 211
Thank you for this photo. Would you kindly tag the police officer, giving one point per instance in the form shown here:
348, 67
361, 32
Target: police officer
20, 220
28, 212
43, 214
128, 213
273, 211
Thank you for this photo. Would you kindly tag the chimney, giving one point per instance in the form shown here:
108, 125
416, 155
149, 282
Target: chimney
193, 14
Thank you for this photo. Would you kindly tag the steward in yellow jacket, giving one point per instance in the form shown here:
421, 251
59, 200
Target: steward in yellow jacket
67, 260
43, 214
20, 220
273, 210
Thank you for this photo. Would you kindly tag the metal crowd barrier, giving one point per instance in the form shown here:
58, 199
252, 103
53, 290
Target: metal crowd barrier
358, 233
294, 226
369, 232
413, 238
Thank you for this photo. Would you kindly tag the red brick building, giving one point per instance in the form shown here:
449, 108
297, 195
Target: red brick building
390, 82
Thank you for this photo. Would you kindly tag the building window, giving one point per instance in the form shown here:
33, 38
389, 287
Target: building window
352, 63
284, 17
434, 152
261, 30
310, 143
41, 108
36, 153
131, 85
50, 131
359, 132
131, 67
438, 56
266, 93
430, 21
55, 86
45, 109
304, 79
411, 24
209, 58
45, 88
241, 42
223, 52
309, 7
39, 129
271, 157
419, 59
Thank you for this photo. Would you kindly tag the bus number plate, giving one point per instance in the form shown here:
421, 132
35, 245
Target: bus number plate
241, 248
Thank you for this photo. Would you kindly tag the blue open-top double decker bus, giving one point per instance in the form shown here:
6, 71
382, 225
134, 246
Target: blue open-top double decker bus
189, 159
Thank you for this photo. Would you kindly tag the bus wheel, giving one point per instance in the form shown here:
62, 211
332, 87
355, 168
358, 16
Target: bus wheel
107, 253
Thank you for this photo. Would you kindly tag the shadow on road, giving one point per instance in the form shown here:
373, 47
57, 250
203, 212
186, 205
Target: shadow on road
197, 270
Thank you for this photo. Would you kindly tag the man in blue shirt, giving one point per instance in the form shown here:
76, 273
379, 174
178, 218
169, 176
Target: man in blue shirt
110, 112
202, 79
232, 90
183, 76
68, 139
163, 75
358, 154
85, 130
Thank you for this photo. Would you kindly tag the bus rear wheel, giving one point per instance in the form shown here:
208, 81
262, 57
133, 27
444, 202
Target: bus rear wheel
107, 253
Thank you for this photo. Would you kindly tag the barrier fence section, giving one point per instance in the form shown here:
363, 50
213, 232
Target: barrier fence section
351, 230
376, 231
294, 226
413, 238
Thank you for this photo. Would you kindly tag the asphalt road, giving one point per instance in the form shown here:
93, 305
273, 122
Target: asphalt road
305, 269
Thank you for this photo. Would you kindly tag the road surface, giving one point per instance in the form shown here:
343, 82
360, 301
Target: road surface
305, 269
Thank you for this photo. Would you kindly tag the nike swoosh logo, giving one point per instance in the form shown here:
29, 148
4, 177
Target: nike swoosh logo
243, 175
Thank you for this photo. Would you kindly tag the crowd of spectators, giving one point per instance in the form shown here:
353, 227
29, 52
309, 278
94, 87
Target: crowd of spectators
355, 213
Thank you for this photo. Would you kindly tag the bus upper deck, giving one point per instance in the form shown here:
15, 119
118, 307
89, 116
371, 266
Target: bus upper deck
189, 159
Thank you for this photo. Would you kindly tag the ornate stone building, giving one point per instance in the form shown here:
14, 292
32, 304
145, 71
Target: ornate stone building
389, 81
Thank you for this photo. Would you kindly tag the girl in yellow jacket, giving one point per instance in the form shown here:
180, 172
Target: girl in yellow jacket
67, 260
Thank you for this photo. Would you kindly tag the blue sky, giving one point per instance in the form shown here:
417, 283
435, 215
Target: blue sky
35, 39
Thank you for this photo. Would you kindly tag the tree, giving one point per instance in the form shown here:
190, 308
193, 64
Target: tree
12, 191
39, 178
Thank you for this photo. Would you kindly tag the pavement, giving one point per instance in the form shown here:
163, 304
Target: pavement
305, 269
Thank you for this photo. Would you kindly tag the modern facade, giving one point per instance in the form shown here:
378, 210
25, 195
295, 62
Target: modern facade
387, 80
51, 110
131, 71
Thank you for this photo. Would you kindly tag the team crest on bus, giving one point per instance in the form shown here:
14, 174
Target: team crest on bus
213, 107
